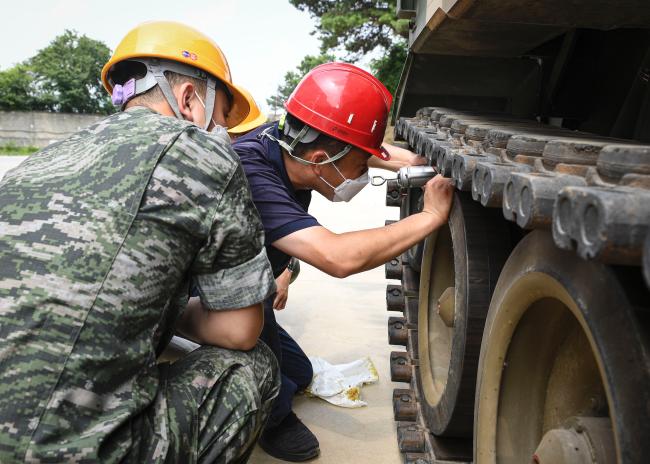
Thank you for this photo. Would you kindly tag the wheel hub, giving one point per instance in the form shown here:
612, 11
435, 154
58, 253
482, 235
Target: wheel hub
584, 440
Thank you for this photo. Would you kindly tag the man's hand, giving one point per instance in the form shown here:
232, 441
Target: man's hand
282, 282
415, 160
438, 195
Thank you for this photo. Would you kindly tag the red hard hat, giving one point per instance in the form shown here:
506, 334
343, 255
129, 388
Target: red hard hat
344, 102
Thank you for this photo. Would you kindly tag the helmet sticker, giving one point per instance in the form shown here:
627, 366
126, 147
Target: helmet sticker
190, 55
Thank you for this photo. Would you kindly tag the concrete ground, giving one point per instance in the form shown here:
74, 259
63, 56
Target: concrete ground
340, 321
9, 162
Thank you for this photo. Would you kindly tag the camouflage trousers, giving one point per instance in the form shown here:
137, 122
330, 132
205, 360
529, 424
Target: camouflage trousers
211, 407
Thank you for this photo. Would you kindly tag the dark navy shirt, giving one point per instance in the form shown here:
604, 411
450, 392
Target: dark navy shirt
283, 210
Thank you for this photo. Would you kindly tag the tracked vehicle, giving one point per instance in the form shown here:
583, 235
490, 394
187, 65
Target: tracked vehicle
525, 321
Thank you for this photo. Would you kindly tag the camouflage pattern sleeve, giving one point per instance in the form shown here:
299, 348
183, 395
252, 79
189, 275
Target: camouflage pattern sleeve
232, 270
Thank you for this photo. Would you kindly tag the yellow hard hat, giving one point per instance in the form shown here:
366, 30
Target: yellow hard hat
177, 42
254, 119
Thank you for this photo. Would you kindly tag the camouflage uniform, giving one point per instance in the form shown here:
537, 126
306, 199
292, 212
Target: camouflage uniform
101, 236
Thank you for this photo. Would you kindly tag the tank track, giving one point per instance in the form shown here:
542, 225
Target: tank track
593, 192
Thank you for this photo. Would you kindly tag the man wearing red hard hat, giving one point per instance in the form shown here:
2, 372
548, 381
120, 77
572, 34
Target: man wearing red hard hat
335, 123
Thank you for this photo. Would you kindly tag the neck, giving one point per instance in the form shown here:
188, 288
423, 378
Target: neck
159, 107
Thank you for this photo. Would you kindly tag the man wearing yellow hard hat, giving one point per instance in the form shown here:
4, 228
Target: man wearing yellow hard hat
108, 231
254, 119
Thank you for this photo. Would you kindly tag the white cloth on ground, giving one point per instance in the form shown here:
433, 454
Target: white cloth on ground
340, 384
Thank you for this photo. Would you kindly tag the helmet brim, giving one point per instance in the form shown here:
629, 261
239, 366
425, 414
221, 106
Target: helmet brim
380, 152
239, 107
249, 126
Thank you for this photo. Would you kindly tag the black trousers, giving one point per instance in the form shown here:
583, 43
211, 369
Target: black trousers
295, 368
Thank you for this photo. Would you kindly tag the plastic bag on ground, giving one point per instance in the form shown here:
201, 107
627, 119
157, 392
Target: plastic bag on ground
340, 384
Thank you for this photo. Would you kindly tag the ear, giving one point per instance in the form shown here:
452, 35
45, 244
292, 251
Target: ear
186, 100
316, 156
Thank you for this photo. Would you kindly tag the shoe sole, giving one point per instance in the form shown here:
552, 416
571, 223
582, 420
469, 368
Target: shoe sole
289, 456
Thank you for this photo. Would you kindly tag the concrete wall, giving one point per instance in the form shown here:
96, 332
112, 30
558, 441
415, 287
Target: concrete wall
39, 129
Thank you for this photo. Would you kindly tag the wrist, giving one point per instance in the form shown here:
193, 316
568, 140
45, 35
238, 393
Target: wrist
433, 218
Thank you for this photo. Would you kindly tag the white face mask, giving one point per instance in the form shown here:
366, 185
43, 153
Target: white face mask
349, 187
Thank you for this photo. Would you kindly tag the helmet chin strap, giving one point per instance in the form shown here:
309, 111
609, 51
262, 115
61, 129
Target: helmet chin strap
209, 101
161, 80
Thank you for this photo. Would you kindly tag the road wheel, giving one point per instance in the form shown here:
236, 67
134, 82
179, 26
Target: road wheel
563, 370
460, 266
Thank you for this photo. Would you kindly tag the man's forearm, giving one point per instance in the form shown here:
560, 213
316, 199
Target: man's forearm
399, 158
392, 165
366, 249
341, 255
236, 329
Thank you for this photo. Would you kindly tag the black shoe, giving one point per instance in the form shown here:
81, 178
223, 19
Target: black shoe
290, 440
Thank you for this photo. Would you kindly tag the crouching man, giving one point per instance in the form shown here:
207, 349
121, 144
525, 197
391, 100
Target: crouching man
101, 237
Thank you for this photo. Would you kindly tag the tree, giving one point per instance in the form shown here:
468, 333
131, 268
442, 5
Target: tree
68, 74
357, 27
291, 79
16, 89
62, 77
388, 68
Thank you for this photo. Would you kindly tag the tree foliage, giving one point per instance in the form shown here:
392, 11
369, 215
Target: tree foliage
351, 30
62, 77
356, 27
388, 67
16, 89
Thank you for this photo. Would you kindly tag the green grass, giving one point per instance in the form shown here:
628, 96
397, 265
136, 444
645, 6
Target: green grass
14, 150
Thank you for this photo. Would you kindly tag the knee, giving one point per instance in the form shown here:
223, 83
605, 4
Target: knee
262, 375
266, 371
255, 371
258, 368
246, 382
305, 376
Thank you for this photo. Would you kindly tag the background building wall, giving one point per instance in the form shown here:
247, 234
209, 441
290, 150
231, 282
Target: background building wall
39, 129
